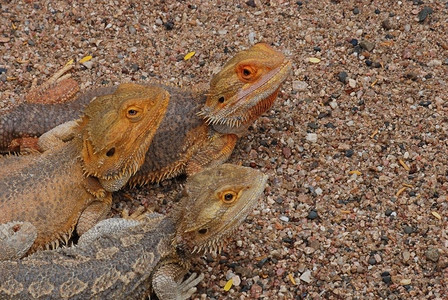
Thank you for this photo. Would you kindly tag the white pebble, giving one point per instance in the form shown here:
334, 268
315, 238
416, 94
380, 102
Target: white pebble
434, 63
236, 280
352, 83
239, 243
318, 191
87, 64
298, 85
333, 104
284, 218
306, 276
311, 137
252, 37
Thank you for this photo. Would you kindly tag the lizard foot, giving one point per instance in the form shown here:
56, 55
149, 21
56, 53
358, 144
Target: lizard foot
16, 238
138, 215
188, 287
25, 145
58, 89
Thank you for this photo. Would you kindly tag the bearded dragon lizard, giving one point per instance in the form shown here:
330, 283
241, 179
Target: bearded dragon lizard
70, 184
128, 259
200, 129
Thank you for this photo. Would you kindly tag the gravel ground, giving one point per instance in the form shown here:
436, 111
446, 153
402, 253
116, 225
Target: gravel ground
355, 146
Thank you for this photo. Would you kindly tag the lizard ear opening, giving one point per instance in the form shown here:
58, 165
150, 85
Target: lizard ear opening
203, 230
110, 152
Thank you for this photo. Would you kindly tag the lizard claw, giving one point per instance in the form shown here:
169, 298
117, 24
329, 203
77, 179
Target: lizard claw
138, 215
188, 286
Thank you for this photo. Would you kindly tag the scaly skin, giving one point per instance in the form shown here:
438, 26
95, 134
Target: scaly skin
199, 130
122, 259
70, 184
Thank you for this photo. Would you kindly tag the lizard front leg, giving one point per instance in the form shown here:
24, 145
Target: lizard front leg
94, 213
58, 89
167, 285
16, 238
57, 136
215, 152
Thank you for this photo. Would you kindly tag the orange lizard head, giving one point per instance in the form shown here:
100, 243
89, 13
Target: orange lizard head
246, 87
117, 130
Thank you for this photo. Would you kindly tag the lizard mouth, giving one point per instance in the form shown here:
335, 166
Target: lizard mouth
249, 103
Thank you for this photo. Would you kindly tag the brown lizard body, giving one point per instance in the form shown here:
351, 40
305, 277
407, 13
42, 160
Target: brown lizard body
199, 129
70, 183
126, 259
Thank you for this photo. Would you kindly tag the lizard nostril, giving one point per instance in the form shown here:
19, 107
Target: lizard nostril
111, 152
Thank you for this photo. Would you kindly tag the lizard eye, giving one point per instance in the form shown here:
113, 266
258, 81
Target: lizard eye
203, 230
221, 99
133, 113
111, 152
247, 73
228, 197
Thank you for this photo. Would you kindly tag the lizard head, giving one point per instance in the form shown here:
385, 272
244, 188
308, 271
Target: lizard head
117, 130
245, 88
216, 202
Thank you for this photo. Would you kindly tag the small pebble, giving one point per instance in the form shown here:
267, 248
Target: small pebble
168, 25
255, 291
385, 276
434, 63
284, 218
432, 254
349, 153
312, 215
298, 85
424, 13
88, 64
354, 42
387, 24
313, 125
388, 212
311, 137
306, 276
236, 280
372, 260
342, 76
356, 11
352, 83
251, 3
3, 70
132, 29
408, 229
369, 46
406, 256
425, 103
